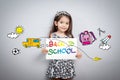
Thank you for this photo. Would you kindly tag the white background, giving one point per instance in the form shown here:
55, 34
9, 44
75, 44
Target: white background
36, 16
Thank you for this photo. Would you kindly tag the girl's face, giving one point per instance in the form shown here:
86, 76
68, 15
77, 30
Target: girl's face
62, 24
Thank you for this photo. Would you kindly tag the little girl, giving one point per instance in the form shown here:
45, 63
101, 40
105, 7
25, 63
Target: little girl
62, 28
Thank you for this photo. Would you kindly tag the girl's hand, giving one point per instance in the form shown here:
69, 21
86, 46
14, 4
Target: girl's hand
44, 51
78, 55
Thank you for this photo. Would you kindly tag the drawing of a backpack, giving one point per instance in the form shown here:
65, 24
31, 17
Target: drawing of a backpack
87, 38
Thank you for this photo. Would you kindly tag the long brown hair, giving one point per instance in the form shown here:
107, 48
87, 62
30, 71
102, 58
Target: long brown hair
57, 17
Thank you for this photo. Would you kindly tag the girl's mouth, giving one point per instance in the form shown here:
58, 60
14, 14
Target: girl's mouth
63, 28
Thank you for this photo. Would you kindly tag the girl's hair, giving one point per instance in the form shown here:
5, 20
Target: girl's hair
57, 17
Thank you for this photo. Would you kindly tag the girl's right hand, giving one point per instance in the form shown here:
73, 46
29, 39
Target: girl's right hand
44, 51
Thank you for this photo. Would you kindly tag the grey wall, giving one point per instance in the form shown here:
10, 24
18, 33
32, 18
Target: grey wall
36, 17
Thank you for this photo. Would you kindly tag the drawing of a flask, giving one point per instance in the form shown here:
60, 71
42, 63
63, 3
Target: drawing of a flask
106, 39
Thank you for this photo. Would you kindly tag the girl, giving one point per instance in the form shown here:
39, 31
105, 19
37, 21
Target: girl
62, 28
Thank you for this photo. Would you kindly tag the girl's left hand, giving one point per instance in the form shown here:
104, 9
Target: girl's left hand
78, 55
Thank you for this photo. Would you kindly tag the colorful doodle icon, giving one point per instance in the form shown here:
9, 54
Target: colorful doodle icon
104, 44
106, 39
19, 29
15, 51
12, 35
96, 59
31, 42
87, 38
100, 31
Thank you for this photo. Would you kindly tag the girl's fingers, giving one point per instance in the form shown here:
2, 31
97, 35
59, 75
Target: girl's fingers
44, 51
78, 55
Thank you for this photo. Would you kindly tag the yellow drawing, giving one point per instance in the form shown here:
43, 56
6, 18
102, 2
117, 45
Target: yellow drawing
32, 42
96, 58
19, 29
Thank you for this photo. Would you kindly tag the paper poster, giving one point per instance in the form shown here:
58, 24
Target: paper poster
61, 48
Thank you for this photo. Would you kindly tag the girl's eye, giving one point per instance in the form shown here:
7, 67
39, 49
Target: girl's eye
67, 23
61, 22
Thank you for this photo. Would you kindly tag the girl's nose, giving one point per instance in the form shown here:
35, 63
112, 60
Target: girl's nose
64, 24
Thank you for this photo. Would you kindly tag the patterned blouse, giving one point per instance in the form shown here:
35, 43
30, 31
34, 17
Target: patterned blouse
60, 68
